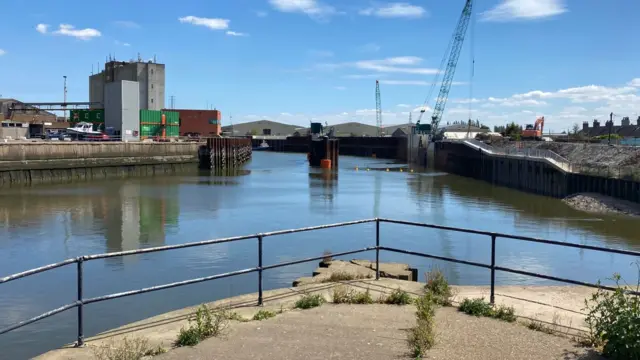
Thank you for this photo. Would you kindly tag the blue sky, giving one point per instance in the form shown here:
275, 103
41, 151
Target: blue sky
296, 60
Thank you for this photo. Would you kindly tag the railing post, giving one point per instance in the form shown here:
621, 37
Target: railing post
493, 269
80, 341
259, 270
377, 249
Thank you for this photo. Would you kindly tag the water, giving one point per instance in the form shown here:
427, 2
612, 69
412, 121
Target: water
46, 224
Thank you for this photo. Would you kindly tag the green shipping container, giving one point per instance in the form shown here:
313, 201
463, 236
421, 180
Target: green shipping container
150, 116
78, 116
173, 131
172, 117
96, 116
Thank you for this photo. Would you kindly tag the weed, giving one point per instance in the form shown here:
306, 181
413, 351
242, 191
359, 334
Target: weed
188, 337
479, 307
327, 257
612, 317
237, 317
309, 301
155, 351
398, 297
538, 326
263, 315
426, 307
341, 295
204, 324
504, 313
345, 276
438, 285
130, 349
422, 336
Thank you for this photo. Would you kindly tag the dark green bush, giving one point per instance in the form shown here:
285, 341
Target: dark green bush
438, 285
309, 301
398, 297
479, 307
263, 315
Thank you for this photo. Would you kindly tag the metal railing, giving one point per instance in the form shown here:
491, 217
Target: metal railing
79, 261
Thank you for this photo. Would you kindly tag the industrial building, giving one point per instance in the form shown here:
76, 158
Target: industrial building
199, 122
122, 109
150, 75
264, 127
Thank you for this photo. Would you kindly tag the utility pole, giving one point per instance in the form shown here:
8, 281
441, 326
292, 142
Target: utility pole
65, 98
172, 101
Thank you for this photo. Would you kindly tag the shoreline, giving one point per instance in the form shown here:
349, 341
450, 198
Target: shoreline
601, 204
558, 305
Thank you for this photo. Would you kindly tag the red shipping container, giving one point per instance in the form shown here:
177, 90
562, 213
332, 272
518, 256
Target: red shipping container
199, 122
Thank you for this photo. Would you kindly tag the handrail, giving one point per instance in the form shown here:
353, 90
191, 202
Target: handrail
81, 301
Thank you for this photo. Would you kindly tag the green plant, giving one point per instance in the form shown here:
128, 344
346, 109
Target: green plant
205, 323
613, 318
188, 337
263, 315
309, 301
129, 349
155, 351
398, 297
479, 307
538, 326
345, 276
476, 307
438, 285
422, 336
426, 307
341, 295
237, 317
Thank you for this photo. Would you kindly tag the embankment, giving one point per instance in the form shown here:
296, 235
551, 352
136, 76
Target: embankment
529, 174
32, 163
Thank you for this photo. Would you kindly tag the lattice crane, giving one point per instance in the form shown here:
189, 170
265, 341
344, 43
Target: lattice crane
454, 54
378, 109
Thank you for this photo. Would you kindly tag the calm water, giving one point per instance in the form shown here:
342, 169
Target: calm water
46, 224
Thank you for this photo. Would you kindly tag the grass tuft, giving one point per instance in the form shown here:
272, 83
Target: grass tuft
341, 295
205, 323
538, 326
479, 307
397, 297
345, 276
263, 315
309, 301
129, 349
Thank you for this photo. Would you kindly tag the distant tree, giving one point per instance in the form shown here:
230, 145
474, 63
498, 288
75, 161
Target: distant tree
513, 130
499, 129
576, 129
485, 127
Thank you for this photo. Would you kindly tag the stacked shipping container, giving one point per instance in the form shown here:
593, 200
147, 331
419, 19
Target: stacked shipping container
200, 122
156, 123
93, 116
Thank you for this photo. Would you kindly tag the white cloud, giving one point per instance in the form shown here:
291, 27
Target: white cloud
2, 52
321, 53
126, 24
234, 33
635, 82
405, 82
42, 28
122, 43
524, 10
363, 76
513, 102
403, 106
370, 47
70, 30
211, 23
394, 10
400, 64
312, 8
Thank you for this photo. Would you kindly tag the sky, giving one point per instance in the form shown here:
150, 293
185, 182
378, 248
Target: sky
296, 61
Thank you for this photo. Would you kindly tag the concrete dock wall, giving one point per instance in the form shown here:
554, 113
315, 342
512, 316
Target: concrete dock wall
527, 174
31, 163
383, 148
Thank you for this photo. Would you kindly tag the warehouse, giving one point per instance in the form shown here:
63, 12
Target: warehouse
199, 122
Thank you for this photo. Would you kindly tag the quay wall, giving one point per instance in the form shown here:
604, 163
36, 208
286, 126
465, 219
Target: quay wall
37, 163
528, 174
381, 147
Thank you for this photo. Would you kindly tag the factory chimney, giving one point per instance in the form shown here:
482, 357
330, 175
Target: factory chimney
596, 123
638, 121
585, 125
625, 121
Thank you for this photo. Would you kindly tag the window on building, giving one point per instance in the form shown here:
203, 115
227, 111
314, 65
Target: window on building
213, 121
152, 86
152, 101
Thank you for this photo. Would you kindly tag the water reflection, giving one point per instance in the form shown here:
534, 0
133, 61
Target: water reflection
323, 185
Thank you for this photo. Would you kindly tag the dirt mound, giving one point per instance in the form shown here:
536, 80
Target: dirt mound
601, 155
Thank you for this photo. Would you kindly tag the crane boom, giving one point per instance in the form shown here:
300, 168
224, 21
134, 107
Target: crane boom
454, 55
378, 109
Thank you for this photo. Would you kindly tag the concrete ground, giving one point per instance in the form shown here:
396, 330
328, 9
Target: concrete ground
372, 332
557, 306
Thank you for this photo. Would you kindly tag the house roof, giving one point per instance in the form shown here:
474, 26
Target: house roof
632, 131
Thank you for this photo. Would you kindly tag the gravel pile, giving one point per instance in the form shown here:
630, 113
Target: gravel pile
601, 155
600, 204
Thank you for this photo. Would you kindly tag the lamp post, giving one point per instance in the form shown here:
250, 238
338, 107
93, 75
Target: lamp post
65, 98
